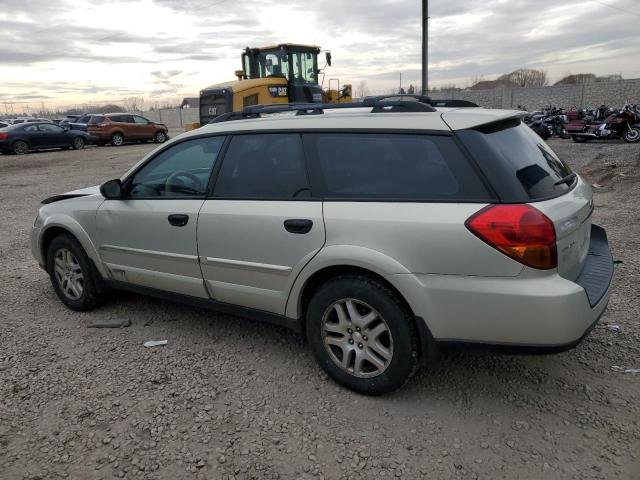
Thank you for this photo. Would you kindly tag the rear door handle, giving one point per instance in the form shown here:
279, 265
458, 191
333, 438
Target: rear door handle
178, 219
298, 225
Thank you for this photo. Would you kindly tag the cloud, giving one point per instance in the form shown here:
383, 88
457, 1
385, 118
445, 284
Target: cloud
371, 40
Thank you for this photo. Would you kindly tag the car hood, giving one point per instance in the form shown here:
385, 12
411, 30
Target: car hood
83, 192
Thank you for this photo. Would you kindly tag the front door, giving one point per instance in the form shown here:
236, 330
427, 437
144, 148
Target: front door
142, 127
53, 135
148, 238
262, 225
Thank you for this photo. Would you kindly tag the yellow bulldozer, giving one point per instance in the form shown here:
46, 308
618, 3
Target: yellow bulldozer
286, 73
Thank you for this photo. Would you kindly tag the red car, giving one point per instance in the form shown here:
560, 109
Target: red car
117, 128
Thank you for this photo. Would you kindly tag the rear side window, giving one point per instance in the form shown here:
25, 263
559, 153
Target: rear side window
392, 166
518, 163
96, 120
269, 166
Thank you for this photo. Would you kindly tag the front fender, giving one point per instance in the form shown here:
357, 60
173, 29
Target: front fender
342, 255
75, 228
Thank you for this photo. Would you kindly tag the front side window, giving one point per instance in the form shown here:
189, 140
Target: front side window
182, 170
269, 166
392, 166
140, 120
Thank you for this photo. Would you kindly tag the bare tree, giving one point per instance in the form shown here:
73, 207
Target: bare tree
527, 77
361, 89
133, 104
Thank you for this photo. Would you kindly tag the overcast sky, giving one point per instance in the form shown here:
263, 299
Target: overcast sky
64, 52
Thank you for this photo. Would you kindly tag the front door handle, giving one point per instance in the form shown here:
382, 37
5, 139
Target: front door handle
298, 225
178, 219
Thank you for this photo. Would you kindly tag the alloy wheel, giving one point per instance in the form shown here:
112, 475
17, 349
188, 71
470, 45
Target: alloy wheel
68, 273
117, 140
357, 338
160, 137
78, 143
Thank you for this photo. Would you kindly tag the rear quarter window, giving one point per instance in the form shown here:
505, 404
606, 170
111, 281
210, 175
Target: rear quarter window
520, 166
388, 166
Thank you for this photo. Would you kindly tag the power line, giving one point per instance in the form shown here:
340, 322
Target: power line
616, 8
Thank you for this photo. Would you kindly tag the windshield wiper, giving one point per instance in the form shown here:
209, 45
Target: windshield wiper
568, 179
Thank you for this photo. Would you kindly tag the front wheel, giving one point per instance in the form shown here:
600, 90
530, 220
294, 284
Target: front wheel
562, 133
631, 135
362, 335
75, 282
578, 138
78, 143
160, 137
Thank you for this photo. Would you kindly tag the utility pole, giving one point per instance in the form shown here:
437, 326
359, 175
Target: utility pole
400, 91
425, 46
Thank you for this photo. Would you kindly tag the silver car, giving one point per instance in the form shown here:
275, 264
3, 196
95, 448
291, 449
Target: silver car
384, 233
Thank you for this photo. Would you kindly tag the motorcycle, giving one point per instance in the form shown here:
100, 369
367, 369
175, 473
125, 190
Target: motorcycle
624, 124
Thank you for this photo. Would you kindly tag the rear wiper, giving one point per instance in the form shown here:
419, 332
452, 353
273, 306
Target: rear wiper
568, 179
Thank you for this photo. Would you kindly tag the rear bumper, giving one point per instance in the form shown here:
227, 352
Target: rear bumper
534, 310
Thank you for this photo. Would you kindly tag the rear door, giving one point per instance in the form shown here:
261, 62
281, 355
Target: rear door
523, 169
262, 225
148, 238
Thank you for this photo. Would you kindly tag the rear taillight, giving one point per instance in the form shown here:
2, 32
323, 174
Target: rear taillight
4, 136
519, 231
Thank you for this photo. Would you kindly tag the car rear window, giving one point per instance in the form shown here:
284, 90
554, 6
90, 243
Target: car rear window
519, 164
96, 120
392, 166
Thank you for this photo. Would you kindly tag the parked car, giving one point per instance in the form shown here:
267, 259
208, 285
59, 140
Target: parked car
68, 119
22, 138
3, 124
30, 120
82, 123
383, 233
117, 128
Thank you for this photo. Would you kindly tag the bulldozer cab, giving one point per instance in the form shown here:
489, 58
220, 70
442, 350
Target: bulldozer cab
295, 63
285, 73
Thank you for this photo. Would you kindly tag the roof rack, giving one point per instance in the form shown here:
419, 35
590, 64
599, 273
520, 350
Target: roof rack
376, 105
447, 102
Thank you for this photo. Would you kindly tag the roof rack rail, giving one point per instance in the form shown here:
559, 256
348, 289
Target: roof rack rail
377, 106
446, 102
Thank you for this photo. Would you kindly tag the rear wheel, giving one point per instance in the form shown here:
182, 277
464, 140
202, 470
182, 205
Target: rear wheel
117, 139
562, 133
78, 143
73, 278
160, 137
362, 335
20, 147
631, 135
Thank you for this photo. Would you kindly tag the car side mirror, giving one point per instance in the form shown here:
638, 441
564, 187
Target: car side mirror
111, 190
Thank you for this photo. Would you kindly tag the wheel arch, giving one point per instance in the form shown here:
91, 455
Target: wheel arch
55, 227
428, 347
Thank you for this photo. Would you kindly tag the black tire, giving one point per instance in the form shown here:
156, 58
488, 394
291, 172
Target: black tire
117, 139
578, 138
631, 136
404, 361
563, 134
78, 143
160, 137
94, 291
20, 147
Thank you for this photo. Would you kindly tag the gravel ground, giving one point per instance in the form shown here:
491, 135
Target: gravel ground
232, 398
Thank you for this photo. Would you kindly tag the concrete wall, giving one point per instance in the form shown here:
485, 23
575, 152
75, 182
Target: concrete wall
566, 96
173, 117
